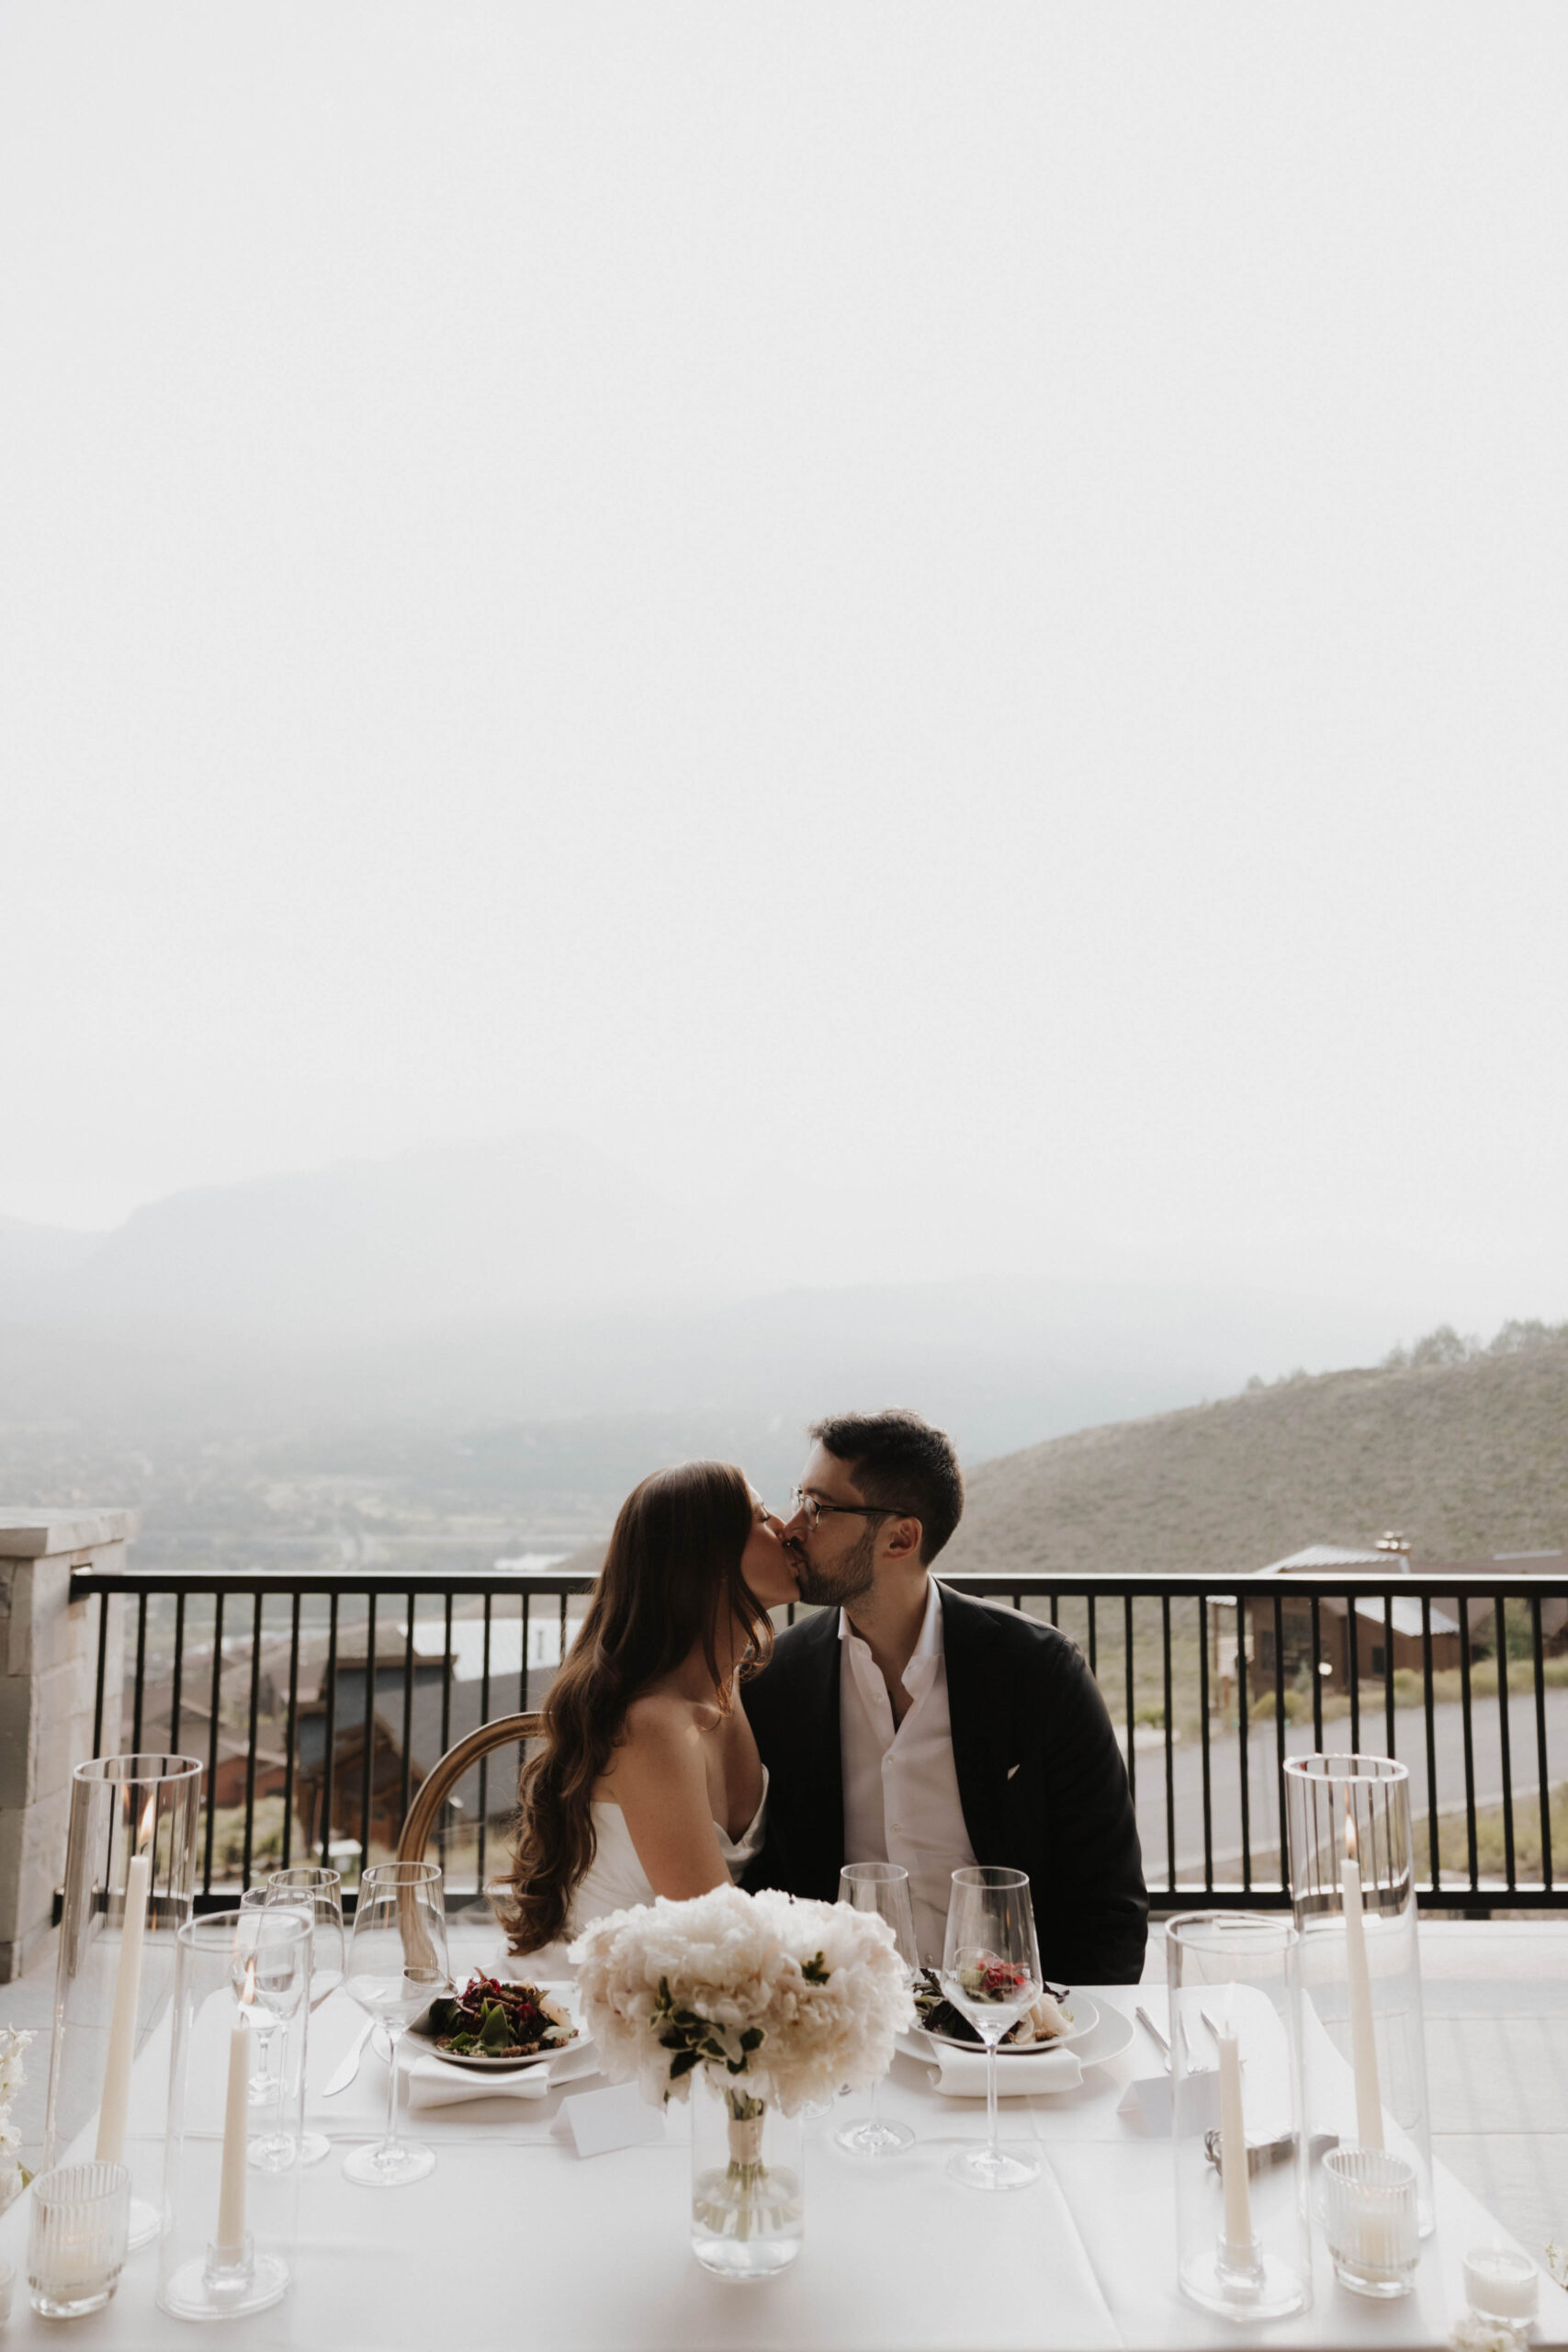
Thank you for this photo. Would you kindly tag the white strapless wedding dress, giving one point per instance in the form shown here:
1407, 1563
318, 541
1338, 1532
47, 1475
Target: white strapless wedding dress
615, 1880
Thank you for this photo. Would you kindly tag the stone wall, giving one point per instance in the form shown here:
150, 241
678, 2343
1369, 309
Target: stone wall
48, 1679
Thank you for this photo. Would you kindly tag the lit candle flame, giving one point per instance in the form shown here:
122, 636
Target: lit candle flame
144, 1829
1350, 1837
249, 1992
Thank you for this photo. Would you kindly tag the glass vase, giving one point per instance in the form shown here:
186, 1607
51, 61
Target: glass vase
1243, 2242
1353, 1892
748, 2181
130, 1883
231, 2213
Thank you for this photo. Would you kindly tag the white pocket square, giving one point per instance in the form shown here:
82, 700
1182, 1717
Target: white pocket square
1011, 1770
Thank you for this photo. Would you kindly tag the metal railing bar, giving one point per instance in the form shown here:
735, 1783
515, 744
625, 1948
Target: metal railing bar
1127, 1644
1317, 1673
329, 1751
1203, 1740
1280, 1726
177, 1677
1469, 1738
98, 1688
1093, 1647
1544, 1782
140, 1673
368, 1735
1169, 1759
291, 1731
408, 1708
447, 1673
1241, 1736
1432, 1840
216, 1701
1508, 1760
1353, 1647
484, 1761
1388, 1668
250, 1745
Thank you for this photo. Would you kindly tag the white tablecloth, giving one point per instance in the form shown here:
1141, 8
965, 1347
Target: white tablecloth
514, 2241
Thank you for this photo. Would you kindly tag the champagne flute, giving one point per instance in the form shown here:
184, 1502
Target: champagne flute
990, 1972
882, 1887
317, 1895
397, 1965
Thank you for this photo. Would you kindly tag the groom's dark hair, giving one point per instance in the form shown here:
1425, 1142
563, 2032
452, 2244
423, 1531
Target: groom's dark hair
899, 1461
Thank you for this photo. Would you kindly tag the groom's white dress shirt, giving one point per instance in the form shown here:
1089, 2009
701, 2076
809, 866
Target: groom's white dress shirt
901, 1799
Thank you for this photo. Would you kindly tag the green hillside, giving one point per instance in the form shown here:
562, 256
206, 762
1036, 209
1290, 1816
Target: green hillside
1468, 1458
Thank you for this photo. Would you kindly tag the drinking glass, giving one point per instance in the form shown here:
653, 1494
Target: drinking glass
271, 1973
317, 1895
397, 1965
990, 1972
882, 1887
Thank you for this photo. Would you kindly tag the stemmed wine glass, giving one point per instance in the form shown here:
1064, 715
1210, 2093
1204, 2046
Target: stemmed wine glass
271, 1965
990, 1972
882, 1887
317, 1895
397, 1965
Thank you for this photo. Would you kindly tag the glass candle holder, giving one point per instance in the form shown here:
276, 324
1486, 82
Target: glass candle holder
1242, 2244
78, 2238
231, 2224
1369, 2220
130, 1883
1504, 2285
1353, 1897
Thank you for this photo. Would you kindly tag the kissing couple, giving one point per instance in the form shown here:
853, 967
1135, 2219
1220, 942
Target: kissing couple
686, 1744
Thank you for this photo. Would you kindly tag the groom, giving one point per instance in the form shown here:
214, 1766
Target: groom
907, 1722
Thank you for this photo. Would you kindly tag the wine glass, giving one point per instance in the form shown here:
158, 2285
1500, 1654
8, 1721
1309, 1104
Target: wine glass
397, 1966
990, 1972
882, 1887
317, 1895
271, 1971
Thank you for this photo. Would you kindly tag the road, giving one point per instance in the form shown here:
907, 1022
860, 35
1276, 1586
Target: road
1409, 1745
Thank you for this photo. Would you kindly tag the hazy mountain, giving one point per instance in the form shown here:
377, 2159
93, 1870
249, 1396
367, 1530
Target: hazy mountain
31, 1255
530, 1223
1468, 1459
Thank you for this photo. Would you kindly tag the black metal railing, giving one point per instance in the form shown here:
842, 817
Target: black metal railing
318, 1705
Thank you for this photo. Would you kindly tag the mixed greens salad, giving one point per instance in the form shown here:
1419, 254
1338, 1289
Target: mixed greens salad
494, 2019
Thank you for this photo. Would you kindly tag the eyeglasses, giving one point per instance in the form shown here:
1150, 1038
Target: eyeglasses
811, 1507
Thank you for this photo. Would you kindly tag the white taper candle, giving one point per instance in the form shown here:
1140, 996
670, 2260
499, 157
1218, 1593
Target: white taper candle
1363, 2042
115, 2110
1232, 2154
230, 2241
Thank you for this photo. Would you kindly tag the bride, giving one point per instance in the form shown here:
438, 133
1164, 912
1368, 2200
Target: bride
648, 1781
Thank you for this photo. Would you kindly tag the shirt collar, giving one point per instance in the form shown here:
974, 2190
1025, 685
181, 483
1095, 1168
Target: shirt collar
930, 1644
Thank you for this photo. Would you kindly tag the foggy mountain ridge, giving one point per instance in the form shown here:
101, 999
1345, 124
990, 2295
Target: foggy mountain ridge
1468, 1459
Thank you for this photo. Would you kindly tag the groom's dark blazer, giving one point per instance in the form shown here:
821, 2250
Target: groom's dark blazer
1040, 1778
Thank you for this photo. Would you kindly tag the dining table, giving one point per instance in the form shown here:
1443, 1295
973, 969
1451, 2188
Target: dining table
516, 2240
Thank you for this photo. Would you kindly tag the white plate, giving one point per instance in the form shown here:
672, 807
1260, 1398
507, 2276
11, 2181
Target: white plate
561, 1995
1078, 2009
1106, 2039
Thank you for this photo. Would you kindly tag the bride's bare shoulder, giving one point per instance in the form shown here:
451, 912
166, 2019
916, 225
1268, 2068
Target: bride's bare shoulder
660, 1719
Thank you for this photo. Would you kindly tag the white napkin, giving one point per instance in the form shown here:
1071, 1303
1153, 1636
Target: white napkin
961, 2074
434, 2084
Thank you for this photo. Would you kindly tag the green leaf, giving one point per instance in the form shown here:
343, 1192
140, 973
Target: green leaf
816, 1970
753, 2037
683, 2064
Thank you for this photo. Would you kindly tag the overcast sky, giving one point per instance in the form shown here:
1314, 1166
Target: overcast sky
958, 607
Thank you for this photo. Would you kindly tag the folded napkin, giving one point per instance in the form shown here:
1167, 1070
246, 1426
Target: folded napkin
961, 2074
434, 2084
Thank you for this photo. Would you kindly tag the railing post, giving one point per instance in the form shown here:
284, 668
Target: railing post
49, 1662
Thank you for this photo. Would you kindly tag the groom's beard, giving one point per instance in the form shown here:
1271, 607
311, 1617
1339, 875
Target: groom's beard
845, 1580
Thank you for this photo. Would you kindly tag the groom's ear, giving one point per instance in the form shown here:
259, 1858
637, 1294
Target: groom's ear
904, 1539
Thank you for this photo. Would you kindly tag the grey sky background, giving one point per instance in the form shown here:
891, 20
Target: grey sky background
942, 629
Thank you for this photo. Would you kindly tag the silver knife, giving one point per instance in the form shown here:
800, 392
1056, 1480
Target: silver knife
350, 2066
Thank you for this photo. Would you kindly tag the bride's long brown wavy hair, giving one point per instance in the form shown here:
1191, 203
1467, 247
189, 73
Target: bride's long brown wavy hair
671, 1576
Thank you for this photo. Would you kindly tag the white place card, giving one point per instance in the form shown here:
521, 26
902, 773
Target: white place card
1149, 2100
597, 2122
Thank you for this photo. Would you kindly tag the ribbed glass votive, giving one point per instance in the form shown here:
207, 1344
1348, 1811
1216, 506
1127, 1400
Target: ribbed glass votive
1369, 2220
76, 2239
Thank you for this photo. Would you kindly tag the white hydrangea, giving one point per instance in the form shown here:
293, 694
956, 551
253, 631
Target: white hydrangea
13, 2176
797, 2000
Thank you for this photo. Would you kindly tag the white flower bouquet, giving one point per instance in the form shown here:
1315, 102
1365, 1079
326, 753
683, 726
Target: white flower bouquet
14, 2173
777, 2000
